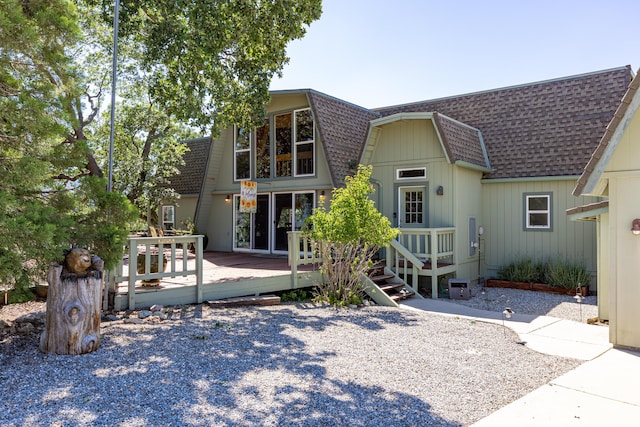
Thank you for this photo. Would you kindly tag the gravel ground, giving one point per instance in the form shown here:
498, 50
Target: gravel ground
292, 364
529, 302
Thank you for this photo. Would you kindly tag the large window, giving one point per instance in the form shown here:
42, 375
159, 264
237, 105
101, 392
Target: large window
283, 147
283, 144
304, 146
242, 154
537, 210
263, 151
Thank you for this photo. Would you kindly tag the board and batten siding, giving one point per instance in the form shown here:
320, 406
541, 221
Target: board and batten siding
506, 239
467, 196
410, 144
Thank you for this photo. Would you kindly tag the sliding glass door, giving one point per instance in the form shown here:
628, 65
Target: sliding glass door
276, 214
251, 231
290, 213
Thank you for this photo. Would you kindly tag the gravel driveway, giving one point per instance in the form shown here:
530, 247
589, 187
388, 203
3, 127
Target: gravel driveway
287, 365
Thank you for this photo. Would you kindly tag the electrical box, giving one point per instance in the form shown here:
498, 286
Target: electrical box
459, 289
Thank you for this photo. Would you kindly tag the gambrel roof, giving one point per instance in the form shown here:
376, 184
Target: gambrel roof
548, 128
534, 130
343, 129
461, 144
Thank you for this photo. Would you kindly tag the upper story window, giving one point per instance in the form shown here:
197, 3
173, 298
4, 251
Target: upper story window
305, 143
242, 154
284, 147
263, 151
537, 209
415, 173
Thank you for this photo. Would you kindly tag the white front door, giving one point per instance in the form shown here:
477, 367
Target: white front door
412, 207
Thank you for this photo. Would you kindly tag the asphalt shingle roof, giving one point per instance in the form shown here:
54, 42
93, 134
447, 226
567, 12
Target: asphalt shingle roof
548, 128
343, 128
192, 173
606, 138
461, 142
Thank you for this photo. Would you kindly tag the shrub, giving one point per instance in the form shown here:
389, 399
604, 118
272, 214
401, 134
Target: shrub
351, 232
567, 274
523, 270
296, 295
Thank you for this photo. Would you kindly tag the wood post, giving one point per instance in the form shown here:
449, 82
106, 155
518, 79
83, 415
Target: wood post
72, 323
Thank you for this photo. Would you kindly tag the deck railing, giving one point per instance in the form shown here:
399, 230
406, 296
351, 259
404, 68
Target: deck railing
170, 248
423, 251
302, 251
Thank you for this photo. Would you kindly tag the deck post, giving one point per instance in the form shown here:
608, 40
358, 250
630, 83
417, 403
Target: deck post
199, 287
133, 256
433, 236
293, 260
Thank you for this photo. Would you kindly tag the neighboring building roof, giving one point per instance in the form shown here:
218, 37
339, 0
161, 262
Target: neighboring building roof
192, 173
588, 212
593, 170
548, 128
343, 129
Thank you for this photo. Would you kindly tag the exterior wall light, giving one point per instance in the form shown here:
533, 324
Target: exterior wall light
440, 190
321, 196
227, 198
635, 226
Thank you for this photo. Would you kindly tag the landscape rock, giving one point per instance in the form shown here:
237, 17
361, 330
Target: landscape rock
143, 314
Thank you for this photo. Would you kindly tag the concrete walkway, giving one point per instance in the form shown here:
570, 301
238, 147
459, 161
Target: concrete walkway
603, 391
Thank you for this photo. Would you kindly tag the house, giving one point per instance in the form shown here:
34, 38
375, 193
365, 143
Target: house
613, 172
188, 183
472, 180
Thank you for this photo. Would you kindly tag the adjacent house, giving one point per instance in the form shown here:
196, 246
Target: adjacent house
471, 180
613, 172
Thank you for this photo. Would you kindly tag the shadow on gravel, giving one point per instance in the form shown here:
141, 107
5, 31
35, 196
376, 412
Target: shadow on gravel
229, 367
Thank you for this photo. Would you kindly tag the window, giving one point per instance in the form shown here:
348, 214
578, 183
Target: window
411, 173
283, 144
537, 209
304, 142
242, 154
263, 151
168, 217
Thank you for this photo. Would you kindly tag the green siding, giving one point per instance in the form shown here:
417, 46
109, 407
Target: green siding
505, 238
407, 144
467, 194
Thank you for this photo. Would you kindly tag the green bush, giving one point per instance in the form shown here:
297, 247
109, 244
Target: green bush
523, 270
559, 273
296, 295
567, 274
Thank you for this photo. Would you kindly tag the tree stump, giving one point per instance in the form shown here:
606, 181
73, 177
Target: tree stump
72, 324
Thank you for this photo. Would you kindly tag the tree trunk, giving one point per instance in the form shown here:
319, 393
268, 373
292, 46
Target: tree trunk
73, 313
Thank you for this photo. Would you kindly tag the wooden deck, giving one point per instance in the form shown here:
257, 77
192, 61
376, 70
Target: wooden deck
225, 275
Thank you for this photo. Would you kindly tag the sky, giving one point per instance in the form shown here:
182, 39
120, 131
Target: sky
377, 53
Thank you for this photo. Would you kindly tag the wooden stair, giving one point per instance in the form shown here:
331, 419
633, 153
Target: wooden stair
389, 284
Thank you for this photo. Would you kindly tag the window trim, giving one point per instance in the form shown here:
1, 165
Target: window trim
171, 208
526, 211
296, 143
243, 150
400, 170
